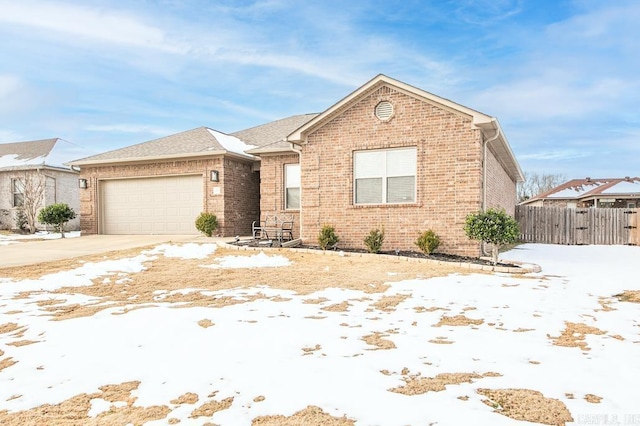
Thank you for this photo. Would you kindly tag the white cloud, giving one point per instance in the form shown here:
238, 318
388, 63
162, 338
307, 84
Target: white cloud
84, 22
130, 128
562, 154
9, 84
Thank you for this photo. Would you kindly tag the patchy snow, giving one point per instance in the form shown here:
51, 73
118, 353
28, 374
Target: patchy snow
186, 251
40, 235
624, 187
231, 143
12, 160
297, 354
259, 260
576, 191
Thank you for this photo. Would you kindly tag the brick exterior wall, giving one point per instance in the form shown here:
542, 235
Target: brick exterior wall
449, 174
60, 187
272, 187
500, 188
234, 202
241, 191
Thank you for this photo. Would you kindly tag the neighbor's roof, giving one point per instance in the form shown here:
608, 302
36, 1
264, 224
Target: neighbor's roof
50, 153
488, 124
271, 137
579, 189
198, 142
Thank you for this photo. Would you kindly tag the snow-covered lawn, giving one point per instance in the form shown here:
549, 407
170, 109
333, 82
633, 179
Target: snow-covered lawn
553, 347
6, 239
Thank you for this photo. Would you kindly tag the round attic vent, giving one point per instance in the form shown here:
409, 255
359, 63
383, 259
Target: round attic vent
384, 110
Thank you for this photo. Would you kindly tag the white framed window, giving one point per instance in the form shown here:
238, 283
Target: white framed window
17, 192
292, 186
385, 176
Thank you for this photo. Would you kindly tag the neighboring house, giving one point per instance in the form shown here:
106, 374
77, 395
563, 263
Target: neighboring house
33, 173
588, 192
388, 155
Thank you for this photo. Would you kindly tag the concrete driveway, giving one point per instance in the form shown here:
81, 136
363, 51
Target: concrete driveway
28, 252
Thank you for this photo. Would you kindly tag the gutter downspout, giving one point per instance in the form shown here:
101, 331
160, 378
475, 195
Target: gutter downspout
484, 176
297, 149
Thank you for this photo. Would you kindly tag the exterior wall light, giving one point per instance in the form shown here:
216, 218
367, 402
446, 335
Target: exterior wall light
215, 176
83, 183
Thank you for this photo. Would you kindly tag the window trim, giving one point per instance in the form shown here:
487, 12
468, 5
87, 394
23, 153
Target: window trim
286, 188
384, 176
15, 191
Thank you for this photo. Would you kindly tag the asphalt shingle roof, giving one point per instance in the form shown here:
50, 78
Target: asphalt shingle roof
28, 155
193, 141
272, 134
202, 140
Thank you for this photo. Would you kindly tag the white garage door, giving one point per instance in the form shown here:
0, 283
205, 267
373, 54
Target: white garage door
162, 205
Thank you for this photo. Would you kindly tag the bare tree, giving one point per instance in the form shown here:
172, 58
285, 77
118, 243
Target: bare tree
536, 183
33, 187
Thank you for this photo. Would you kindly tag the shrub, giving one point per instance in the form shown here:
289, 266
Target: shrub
207, 223
56, 215
327, 237
428, 242
22, 224
492, 226
374, 240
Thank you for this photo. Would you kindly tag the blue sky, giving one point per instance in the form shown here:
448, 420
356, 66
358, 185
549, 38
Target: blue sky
563, 77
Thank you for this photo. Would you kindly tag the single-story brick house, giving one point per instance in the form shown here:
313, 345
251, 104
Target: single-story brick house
32, 173
588, 192
388, 154
394, 156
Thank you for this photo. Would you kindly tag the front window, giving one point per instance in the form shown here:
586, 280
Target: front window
385, 176
17, 190
292, 186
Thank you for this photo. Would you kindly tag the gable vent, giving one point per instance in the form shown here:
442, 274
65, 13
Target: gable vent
384, 110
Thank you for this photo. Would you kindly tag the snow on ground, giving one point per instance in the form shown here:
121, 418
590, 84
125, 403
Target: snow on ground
40, 235
295, 353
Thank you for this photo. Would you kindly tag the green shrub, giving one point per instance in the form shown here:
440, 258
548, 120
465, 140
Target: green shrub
22, 224
327, 237
56, 215
428, 242
207, 223
492, 226
374, 240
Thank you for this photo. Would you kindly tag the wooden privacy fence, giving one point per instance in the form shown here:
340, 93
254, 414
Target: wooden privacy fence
556, 225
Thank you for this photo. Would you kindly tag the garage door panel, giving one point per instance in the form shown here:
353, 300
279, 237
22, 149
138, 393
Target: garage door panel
164, 205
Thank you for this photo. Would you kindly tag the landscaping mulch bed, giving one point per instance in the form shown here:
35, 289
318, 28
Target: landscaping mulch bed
405, 253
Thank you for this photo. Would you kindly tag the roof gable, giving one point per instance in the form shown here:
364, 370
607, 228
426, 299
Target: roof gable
373, 85
488, 125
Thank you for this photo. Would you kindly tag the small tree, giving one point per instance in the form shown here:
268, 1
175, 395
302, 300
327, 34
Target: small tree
327, 237
374, 240
492, 226
207, 223
428, 241
33, 189
56, 215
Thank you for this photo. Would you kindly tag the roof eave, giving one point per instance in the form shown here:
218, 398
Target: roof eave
273, 151
159, 158
504, 151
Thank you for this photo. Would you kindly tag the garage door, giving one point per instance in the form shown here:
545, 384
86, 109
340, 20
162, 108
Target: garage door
163, 205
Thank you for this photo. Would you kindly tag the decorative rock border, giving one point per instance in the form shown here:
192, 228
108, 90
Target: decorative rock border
523, 268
